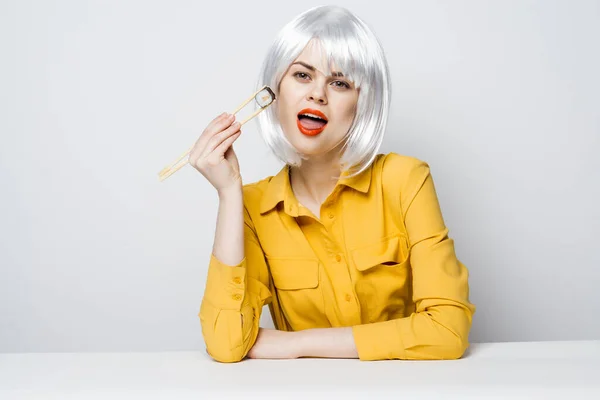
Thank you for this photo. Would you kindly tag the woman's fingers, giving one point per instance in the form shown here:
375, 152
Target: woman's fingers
226, 144
218, 126
218, 154
219, 137
212, 123
214, 127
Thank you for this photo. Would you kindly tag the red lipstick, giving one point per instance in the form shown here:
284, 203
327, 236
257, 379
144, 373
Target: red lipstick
310, 125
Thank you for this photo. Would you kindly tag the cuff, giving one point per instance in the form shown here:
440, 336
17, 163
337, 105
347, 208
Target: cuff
225, 284
378, 341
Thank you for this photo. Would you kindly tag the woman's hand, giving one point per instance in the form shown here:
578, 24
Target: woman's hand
274, 344
213, 154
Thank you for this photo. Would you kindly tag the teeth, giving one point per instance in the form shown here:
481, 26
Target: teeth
313, 116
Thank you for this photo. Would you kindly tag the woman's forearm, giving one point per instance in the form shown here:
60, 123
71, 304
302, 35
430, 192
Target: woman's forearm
228, 246
326, 342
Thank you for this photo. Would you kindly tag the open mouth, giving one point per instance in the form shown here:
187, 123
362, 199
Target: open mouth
311, 122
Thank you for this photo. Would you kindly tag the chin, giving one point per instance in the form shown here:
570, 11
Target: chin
309, 147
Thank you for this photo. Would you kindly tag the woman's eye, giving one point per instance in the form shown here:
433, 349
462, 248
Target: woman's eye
298, 74
343, 84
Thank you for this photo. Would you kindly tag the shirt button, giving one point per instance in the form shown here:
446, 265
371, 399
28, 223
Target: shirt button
348, 297
236, 296
338, 258
237, 280
331, 215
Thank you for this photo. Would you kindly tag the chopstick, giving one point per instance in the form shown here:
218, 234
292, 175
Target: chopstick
172, 168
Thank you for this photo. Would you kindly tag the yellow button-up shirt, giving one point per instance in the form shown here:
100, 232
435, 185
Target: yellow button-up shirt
378, 259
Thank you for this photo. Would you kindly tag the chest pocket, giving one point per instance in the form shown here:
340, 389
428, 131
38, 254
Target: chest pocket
299, 290
389, 252
294, 273
384, 283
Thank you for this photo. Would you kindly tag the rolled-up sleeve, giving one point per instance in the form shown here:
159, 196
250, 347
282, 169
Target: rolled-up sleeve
233, 299
440, 326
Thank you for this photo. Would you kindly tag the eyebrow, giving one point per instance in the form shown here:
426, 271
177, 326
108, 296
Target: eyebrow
310, 67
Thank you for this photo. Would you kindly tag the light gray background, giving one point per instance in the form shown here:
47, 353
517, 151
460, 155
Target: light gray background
499, 97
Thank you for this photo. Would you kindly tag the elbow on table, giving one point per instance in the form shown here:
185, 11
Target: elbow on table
445, 349
452, 335
219, 346
225, 355
222, 337
444, 345
456, 351
451, 347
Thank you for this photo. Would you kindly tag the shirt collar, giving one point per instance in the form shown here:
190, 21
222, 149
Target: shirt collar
279, 189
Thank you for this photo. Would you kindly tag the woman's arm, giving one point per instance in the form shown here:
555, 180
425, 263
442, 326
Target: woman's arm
439, 327
228, 246
237, 284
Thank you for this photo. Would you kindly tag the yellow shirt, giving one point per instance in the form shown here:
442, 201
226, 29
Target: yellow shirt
378, 259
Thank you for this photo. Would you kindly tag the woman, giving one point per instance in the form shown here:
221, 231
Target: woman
346, 246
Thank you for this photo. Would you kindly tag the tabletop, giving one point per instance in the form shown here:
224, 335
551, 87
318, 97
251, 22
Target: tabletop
487, 370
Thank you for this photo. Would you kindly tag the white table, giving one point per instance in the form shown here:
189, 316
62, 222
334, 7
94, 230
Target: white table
488, 370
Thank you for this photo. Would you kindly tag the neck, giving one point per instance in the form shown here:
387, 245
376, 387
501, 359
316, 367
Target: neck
315, 177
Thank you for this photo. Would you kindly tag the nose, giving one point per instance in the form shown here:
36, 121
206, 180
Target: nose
317, 94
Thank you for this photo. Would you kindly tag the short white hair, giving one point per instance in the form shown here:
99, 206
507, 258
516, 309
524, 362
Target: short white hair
356, 51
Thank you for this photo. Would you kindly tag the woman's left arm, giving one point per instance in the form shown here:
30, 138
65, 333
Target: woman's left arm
439, 327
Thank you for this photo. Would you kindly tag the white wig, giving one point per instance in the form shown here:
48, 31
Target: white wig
348, 42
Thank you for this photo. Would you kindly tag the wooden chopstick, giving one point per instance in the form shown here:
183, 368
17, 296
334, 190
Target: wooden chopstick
171, 169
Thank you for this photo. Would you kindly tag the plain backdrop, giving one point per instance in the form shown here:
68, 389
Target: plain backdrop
499, 97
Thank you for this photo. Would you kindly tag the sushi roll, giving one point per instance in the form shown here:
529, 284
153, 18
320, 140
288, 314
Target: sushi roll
264, 97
